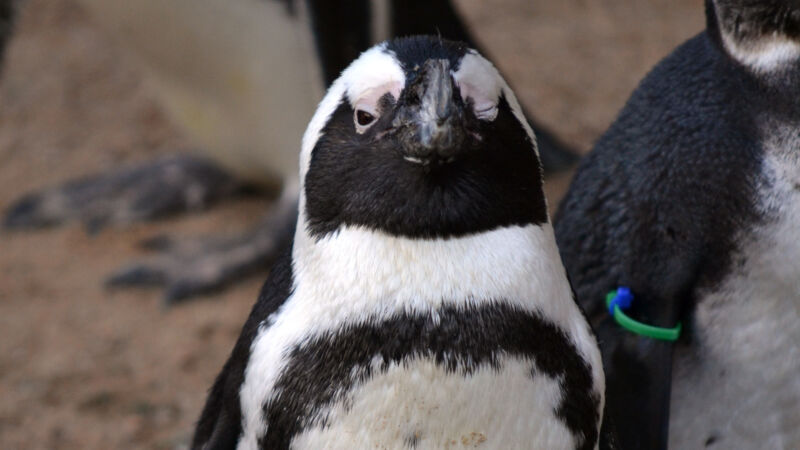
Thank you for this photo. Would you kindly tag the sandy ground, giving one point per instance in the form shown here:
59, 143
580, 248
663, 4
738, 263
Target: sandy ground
85, 367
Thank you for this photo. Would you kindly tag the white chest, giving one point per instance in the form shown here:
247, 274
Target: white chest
420, 405
739, 384
361, 277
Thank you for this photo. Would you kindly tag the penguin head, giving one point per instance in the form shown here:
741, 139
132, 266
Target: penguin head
420, 137
763, 35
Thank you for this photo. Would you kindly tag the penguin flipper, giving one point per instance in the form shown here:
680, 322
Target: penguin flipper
220, 423
605, 243
638, 386
639, 368
215, 429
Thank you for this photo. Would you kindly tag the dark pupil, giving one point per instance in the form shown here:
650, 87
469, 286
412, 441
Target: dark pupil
364, 118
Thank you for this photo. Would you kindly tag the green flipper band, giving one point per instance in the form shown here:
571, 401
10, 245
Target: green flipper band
664, 334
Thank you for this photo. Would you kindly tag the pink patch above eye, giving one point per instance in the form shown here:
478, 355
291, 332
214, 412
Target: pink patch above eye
368, 100
479, 82
484, 102
367, 103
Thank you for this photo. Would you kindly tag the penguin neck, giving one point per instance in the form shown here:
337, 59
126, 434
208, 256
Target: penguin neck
368, 272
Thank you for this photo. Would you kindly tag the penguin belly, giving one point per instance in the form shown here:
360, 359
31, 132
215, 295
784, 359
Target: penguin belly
419, 404
738, 384
485, 375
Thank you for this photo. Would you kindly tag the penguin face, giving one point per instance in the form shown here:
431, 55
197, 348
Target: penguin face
420, 137
761, 34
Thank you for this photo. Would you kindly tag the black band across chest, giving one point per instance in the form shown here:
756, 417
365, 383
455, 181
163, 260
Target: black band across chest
459, 339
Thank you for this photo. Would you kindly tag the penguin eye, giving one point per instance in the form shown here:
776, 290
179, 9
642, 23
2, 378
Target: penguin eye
363, 120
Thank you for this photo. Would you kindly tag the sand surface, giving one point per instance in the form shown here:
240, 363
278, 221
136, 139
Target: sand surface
85, 367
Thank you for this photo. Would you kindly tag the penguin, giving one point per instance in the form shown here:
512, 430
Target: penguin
240, 77
691, 200
423, 303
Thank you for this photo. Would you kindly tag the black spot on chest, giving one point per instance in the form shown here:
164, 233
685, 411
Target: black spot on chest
323, 369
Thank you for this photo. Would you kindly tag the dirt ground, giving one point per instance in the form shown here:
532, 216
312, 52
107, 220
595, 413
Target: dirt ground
85, 367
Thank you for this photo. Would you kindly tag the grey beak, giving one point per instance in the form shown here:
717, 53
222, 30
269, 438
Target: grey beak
436, 122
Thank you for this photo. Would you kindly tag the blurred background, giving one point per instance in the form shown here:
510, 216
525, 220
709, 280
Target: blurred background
82, 366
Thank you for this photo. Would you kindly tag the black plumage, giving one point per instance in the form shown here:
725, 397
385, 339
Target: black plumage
661, 202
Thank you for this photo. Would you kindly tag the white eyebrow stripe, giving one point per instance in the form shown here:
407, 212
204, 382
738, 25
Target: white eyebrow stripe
478, 72
480, 76
375, 67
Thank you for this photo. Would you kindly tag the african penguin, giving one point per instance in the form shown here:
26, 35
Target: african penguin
692, 199
424, 303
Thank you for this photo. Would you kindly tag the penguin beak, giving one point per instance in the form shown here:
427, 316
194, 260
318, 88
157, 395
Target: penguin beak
432, 118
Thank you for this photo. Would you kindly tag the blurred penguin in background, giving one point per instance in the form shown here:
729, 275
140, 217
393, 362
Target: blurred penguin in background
242, 77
